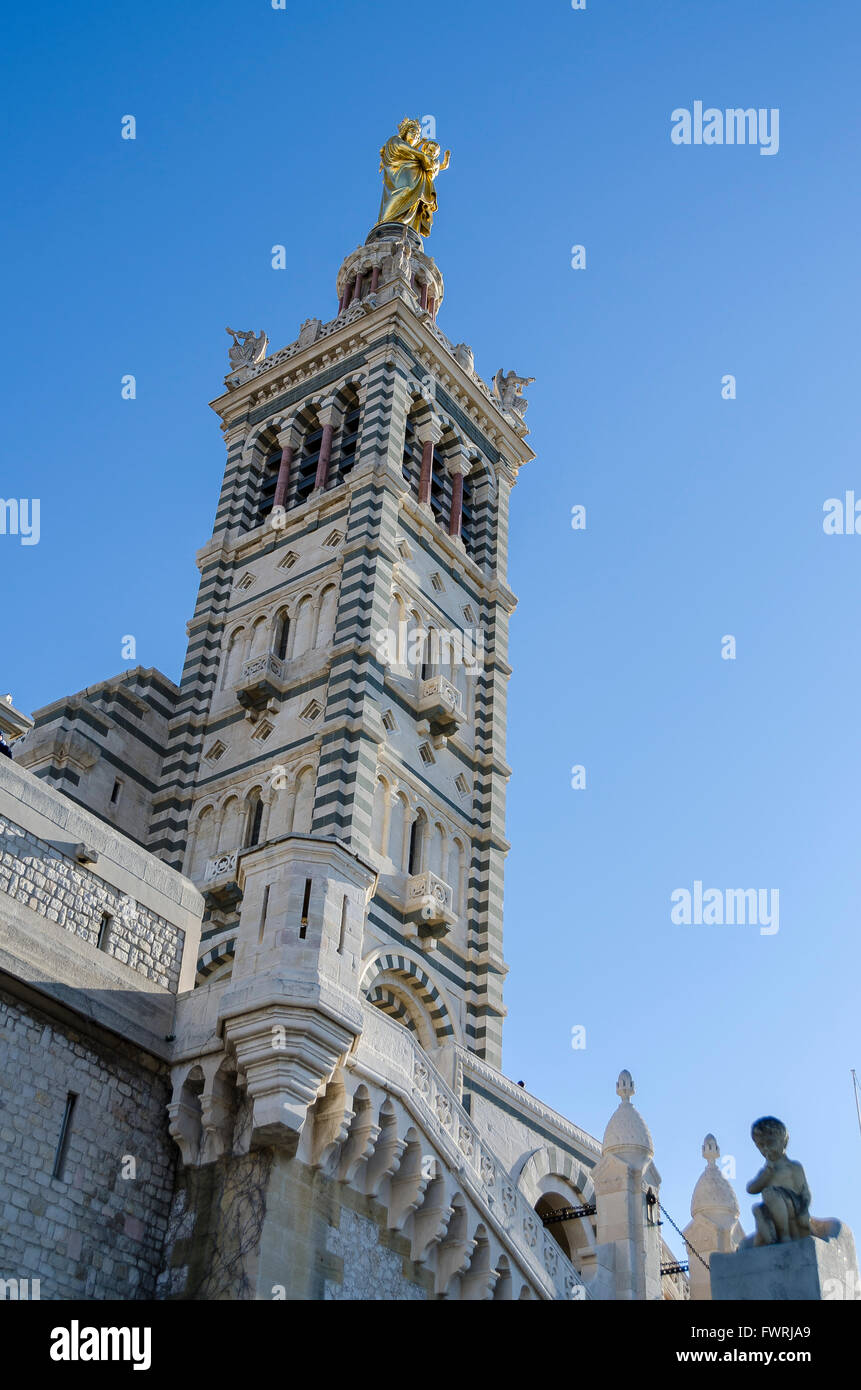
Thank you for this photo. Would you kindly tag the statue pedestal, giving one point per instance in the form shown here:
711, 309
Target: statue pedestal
821, 1267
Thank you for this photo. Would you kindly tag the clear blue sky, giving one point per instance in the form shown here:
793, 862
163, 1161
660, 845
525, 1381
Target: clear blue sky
257, 127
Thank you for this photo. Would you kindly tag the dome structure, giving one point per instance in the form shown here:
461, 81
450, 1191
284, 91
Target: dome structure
627, 1133
713, 1196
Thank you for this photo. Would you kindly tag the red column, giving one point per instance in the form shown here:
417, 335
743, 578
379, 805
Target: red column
425, 295
375, 279
456, 505
283, 482
357, 292
325, 456
432, 306
427, 471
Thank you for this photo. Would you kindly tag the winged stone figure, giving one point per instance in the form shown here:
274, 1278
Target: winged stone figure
247, 350
508, 390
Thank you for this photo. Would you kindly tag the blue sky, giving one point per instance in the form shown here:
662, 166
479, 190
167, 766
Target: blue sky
704, 516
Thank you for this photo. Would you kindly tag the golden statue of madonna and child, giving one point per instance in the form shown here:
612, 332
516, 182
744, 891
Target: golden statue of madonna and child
409, 166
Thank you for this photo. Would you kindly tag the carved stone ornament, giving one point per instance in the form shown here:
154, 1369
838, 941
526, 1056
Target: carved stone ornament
508, 391
443, 1110
247, 350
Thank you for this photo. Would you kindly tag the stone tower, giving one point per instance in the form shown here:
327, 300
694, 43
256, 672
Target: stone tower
715, 1224
346, 671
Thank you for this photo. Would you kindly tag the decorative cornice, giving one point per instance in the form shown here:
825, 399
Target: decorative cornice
524, 1100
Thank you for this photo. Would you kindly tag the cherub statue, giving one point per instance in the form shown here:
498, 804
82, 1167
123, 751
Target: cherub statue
247, 351
784, 1213
508, 390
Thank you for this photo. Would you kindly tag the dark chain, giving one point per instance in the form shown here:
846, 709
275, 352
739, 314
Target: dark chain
665, 1213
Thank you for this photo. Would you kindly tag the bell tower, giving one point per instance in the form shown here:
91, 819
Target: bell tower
346, 672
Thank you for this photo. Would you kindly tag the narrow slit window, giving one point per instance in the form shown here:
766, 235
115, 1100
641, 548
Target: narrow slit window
303, 925
104, 939
116, 792
263, 913
343, 932
65, 1131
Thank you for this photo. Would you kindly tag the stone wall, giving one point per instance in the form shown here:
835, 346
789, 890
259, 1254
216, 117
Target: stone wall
39, 875
91, 1233
266, 1227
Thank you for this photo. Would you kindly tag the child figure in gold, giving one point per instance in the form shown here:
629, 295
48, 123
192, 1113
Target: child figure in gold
785, 1210
431, 151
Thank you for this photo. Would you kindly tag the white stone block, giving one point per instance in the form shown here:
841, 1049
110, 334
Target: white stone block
808, 1270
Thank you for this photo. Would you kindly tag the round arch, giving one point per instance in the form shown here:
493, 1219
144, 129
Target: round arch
396, 973
534, 1168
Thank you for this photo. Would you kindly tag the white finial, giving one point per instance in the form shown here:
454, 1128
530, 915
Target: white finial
625, 1086
711, 1150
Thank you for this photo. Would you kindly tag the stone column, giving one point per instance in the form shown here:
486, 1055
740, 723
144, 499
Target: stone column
266, 797
629, 1241
459, 468
285, 439
429, 433
357, 290
375, 278
327, 415
424, 295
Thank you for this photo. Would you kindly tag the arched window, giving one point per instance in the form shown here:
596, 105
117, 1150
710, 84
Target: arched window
255, 818
326, 617
282, 634
430, 654
440, 496
418, 833
412, 461
231, 826
266, 485
348, 440
233, 658
259, 637
304, 808
397, 831
467, 521
455, 875
436, 851
416, 638
305, 470
303, 628
201, 847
